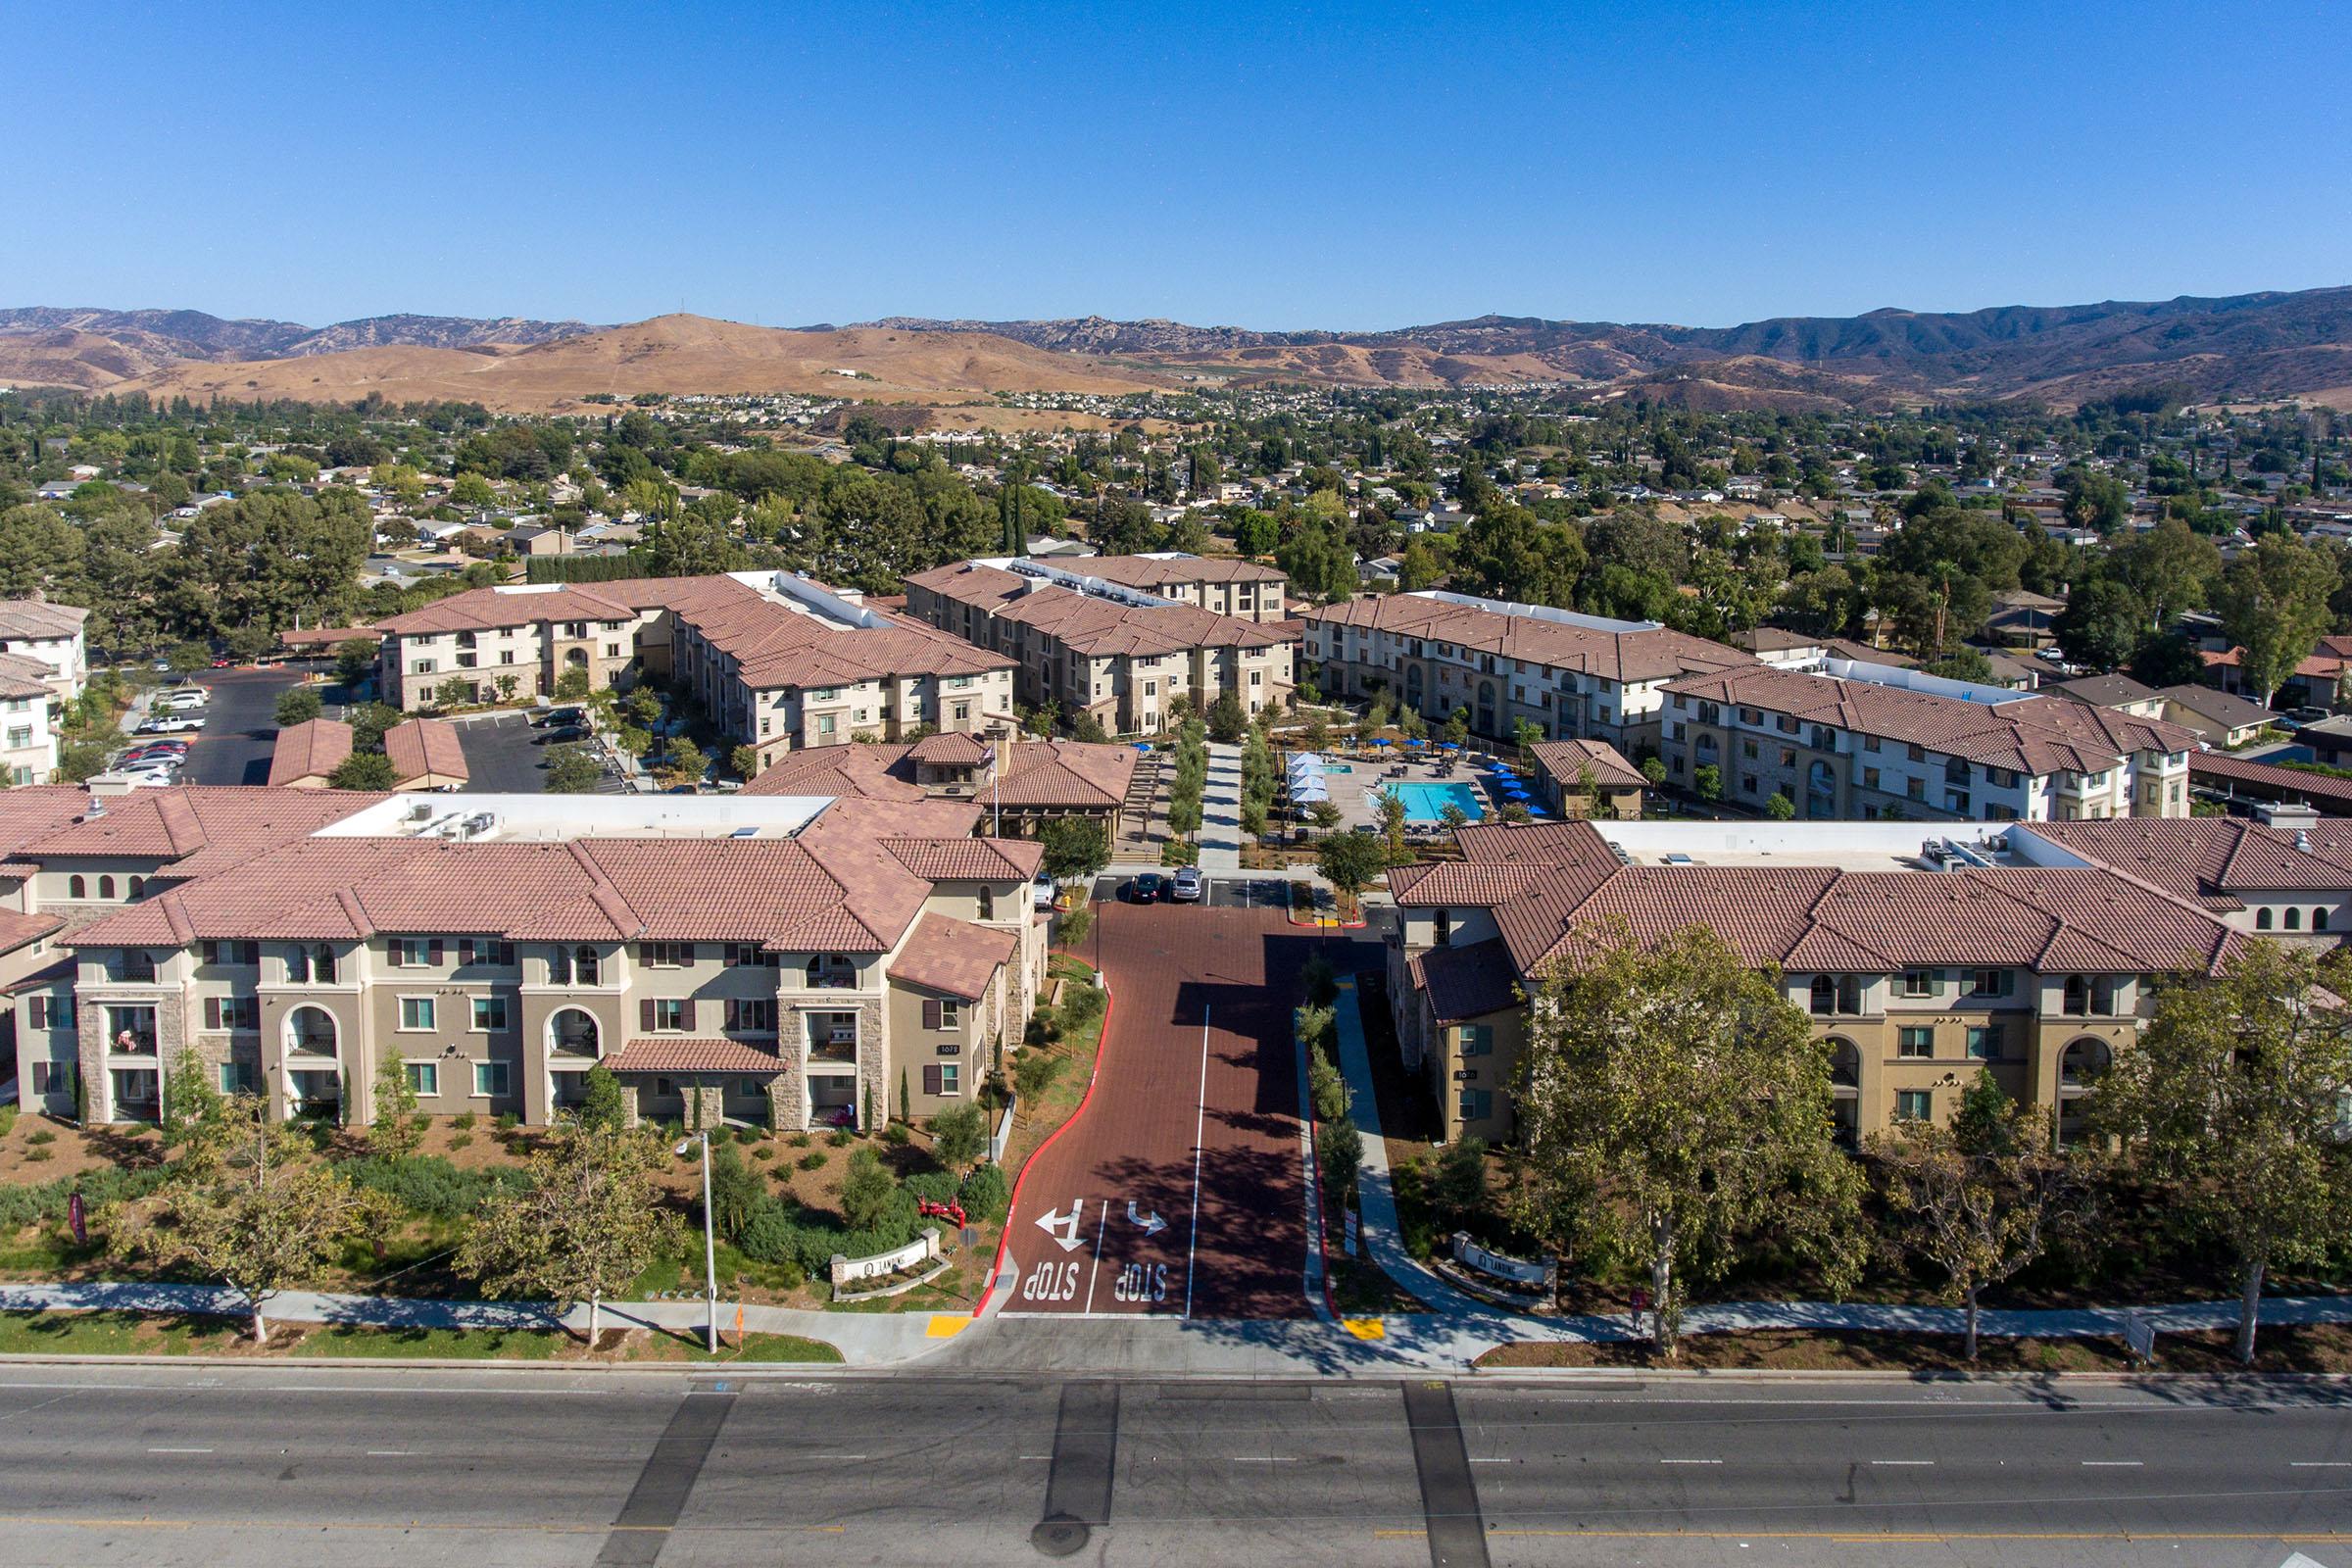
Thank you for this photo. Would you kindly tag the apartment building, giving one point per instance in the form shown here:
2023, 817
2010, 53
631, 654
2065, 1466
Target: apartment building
778, 661
1019, 784
787, 963
1573, 676
2290, 884
1221, 584
1092, 646
51, 636
1924, 964
1870, 741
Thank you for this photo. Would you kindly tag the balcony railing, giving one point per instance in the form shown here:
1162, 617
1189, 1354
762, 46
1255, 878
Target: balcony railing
133, 1043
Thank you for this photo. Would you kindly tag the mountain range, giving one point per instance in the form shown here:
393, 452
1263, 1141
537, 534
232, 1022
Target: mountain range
2244, 346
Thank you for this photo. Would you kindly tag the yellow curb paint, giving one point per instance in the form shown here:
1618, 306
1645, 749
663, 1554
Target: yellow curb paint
1366, 1328
946, 1326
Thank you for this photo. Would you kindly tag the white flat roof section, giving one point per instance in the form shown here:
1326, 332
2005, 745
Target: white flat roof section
553, 818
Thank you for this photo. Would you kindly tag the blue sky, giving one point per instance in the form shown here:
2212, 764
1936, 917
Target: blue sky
1333, 166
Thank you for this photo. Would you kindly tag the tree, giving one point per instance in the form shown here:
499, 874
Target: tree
868, 1191
745, 760
369, 720
393, 1133
1227, 718
1980, 1199
1779, 807
259, 1218
363, 771
685, 763
194, 1110
1348, 861
2103, 624
1391, 825
2231, 1100
571, 685
1707, 780
2272, 604
298, 706
1673, 1102
2093, 499
585, 1222
960, 1138
602, 1107
354, 661
736, 1189
2171, 568
1076, 848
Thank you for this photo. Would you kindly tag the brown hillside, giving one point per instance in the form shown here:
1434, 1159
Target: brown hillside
670, 354
68, 356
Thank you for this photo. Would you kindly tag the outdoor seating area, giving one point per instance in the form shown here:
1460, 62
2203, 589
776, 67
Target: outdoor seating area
1429, 777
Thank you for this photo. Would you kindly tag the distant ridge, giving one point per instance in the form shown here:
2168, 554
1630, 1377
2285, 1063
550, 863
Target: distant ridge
2246, 346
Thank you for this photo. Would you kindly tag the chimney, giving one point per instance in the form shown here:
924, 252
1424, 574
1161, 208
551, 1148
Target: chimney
2303, 840
97, 808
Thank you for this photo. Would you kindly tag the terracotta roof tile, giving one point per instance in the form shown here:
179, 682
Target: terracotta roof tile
1467, 982
954, 957
1642, 655
664, 1053
312, 748
426, 748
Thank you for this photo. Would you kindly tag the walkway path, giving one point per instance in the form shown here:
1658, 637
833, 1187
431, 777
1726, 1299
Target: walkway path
1221, 811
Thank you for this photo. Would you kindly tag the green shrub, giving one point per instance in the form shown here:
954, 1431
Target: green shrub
428, 1184
464, 1121
36, 1156
1074, 927
767, 1235
460, 1139
840, 1138
936, 1185
40, 1136
895, 1134
814, 1160
984, 1193
1081, 1002
8, 1121
763, 1151
508, 1121
798, 1140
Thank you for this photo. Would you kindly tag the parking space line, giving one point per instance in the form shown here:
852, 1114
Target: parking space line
1191, 1242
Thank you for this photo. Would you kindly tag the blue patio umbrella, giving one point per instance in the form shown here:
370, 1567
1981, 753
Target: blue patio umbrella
1517, 790
1449, 746
1381, 740
1140, 745
1414, 739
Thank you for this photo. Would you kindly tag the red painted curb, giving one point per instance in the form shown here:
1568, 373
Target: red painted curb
1012, 1206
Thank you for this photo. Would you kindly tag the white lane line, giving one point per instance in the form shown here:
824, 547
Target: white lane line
1902, 1463
838, 1456
1264, 1458
390, 1453
1690, 1461
2320, 1464
1037, 1457
1096, 1272
179, 1450
1200, 1132
1489, 1461
2113, 1464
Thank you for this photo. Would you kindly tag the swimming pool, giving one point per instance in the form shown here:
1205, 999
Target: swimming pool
1427, 803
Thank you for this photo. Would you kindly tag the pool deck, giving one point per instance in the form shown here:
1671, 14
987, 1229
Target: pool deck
1353, 792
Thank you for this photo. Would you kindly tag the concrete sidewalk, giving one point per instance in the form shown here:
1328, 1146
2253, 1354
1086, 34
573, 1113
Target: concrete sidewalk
1221, 811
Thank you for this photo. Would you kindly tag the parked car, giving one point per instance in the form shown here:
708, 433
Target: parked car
171, 724
1187, 886
559, 736
2308, 715
559, 717
1041, 891
133, 759
225, 663
1148, 888
185, 697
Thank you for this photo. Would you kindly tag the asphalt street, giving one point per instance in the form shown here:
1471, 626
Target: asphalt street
240, 725
332, 1466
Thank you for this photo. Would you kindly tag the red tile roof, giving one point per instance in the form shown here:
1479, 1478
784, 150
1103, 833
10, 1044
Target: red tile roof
1557, 890
1150, 572
1565, 762
2210, 859
953, 957
2035, 735
1644, 655
1087, 625
426, 748
312, 748
1030, 774
200, 827
1467, 982
664, 1053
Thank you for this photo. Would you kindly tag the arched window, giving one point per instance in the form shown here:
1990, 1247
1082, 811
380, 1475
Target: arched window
2262, 919
77, 888
2294, 918
311, 1031
572, 1033
138, 885
106, 887
2318, 920
2082, 1065
1845, 1065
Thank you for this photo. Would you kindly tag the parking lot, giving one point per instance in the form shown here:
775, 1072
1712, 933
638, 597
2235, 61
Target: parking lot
506, 755
240, 725
1233, 891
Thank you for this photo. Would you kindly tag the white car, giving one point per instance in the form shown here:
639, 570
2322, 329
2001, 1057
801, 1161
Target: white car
1040, 893
172, 723
1188, 885
179, 701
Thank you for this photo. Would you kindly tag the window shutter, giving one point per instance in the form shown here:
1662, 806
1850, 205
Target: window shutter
686, 954
690, 1014
645, 1013
433, 950
931, 1080
931, 1015
465, 951
37, 1014
734, 1014
212, 1012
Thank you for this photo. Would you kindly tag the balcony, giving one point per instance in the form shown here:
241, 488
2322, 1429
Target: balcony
833, 1038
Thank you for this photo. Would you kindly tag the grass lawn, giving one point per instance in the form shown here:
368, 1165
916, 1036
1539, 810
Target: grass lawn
138, 1334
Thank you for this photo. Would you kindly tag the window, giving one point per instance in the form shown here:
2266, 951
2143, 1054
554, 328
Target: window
2318, 920
1984, 1042
51, 1011
232, 1013
489, 1015
943, 1078
1834, 993
106, 887
50, 1078
669, 954
485, 949
2294, 918
1914, 1105
77, 888
239, 1078
1914, 983
755, 1015
740, 954
1916, 1043
1475, 1105
2262, 919
1477, 1039
425, 1077
663, 1012
490, 1078
1441, 928
943, 1013
416, 952
415, 1013
247, 953
1989, 982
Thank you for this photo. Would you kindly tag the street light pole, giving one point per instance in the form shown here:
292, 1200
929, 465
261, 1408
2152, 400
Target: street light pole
709, 1242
